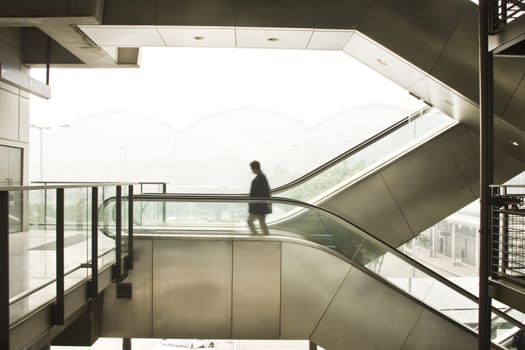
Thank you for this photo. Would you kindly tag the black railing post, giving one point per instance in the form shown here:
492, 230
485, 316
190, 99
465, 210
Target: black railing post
486, 172
93, 285
4, 275
129, 261
117, 268
58, 307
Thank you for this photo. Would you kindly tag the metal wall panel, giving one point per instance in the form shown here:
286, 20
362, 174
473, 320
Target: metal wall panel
515, 110
415, 30
9, 115
457, 65
195, 12
256, 289
142, 279
370, 205
192, 282
463, 145
508, 74
275, 13
434, 333
310, 279
427, 185
365, 314
340, 14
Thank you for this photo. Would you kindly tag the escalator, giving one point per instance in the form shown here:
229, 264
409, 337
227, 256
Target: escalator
199, 273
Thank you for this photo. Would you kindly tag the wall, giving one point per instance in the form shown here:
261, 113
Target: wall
14, 103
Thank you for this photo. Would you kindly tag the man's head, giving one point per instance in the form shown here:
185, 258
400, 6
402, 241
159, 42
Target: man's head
255, 166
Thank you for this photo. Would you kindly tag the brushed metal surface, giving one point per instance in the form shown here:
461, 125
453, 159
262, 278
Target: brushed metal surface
458, 63
340, 14
435, 333
195, 12
427, 185
508, 74
192, 283
514, 112
116, 320
141, 278
310, 279
256, 289
275, 13
415, 30
370, 205
365, 314
463, 145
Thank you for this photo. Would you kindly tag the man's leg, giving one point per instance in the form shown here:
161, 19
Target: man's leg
262, 223
251, 219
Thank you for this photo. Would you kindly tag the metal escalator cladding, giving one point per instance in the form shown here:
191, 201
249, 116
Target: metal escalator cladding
225, 216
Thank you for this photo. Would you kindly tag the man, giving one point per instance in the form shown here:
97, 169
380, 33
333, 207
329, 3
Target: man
258, 210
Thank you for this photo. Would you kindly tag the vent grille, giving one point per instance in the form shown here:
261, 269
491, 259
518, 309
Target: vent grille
124, 290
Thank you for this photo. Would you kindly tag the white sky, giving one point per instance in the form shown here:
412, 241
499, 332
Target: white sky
182, 85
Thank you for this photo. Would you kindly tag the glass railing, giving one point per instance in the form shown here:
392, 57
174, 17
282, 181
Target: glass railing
165, 215
369, 155
50, 242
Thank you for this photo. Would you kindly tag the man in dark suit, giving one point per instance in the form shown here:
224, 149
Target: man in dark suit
258, 210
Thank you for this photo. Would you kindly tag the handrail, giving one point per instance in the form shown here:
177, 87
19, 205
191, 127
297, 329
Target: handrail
76, 185
353, 150
381, 243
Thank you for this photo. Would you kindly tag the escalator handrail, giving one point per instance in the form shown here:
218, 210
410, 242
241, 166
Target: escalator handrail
387, 247
389, 130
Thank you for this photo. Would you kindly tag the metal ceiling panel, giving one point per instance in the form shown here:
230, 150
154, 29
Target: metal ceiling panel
433, 332
370, 205
458, 63
419, 180
382, 60
310, 279
329, 39
366, 314
198, 36
415, 30
256, 290
509, 159
124, 36
273, 38
129, 12
192, 289
275, 13
195, 12
340, 14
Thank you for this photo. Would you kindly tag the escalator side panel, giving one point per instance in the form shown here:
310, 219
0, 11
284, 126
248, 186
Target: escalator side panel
419, 181
430, 323
309, 277
256, 290
364, 315
192, 288
370, 205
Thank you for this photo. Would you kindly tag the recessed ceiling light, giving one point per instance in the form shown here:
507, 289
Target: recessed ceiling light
514, 143
198, 37
273, 39
381, 62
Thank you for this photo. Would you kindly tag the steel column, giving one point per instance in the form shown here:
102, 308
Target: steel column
486, 172
93, 285
117, 269
58, 307
4, 275
313, 346
129, 261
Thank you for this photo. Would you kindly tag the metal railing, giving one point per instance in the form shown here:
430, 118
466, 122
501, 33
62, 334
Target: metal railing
503, 12
508, 234
17, 206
